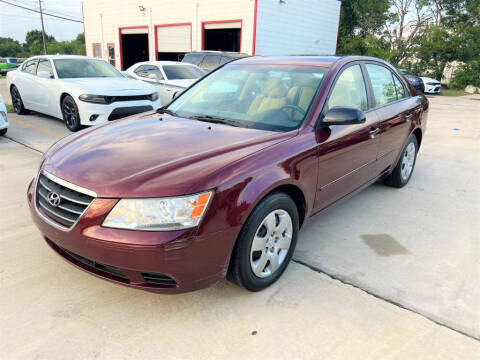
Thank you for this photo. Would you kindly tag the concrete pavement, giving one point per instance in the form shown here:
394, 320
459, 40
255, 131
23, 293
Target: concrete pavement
415, 248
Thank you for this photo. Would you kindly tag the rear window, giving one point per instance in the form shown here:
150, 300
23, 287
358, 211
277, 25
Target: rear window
211, 61
174, 72
193, 58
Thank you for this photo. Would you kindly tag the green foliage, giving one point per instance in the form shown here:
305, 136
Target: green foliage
33, 45
467, 74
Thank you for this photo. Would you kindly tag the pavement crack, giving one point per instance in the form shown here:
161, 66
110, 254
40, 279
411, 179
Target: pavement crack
343, 281
19, 142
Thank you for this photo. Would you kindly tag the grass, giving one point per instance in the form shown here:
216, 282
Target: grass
2, 76
452, 92
10, 108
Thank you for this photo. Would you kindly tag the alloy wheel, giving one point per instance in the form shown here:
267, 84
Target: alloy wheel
408, 161
70, 113
16, 99
271, 243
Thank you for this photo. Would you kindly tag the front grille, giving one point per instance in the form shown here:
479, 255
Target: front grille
109, 269
158, 279
112, 99
71, 203
122, 112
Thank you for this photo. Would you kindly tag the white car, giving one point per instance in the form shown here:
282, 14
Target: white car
3, 117
78, 89
432, 86
170, 77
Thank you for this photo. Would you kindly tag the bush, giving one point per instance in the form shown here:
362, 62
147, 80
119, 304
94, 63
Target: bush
467, 74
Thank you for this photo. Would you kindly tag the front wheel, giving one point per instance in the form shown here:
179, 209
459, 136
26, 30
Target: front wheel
266, 243
403, 171
70, 114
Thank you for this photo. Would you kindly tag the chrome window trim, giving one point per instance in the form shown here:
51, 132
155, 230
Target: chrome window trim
65, 184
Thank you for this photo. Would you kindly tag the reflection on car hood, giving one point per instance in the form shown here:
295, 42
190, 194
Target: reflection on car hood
145, 157
111, 86
429, 80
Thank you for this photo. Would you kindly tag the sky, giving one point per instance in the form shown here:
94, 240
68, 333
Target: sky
16, 22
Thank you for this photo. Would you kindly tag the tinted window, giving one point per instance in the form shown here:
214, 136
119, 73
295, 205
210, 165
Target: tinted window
349, 90
12, 60
44, 65
224, 60
211, 61
257, 96
145, 70
382, 83
174, 72
31, 66
401, 92
193, 58
84, 68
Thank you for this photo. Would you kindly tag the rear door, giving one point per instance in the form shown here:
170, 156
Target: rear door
395, 109
43, 89
25, 83
347, 158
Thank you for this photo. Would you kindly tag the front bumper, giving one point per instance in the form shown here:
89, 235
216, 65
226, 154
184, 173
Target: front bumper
104, 111
192, 261
433, 89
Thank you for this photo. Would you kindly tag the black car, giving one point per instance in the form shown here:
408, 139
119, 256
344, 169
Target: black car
210, 60
414, 80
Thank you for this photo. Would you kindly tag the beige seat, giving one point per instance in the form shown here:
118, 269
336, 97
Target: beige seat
302, 93
273, 96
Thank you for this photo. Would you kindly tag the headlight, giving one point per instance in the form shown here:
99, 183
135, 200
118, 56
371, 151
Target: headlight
154, 96
160, 214
97, 99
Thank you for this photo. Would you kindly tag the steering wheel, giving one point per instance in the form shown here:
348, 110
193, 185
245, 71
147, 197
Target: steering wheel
293, 108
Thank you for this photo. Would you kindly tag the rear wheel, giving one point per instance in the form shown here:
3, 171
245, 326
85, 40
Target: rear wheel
70, 114
402, 173
266, 243
17, 101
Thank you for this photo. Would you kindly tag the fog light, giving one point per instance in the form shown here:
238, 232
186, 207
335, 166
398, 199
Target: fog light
93, 117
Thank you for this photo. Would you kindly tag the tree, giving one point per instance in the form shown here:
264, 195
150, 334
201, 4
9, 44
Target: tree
9, 47
36, 35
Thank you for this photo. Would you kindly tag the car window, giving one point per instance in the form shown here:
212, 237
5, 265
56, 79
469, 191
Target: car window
2, 60
145, 70
382, 83
211, 61
401, 91
44, 65
193, 58
349, 90
174, 72
30, 67
268, 97
224, 60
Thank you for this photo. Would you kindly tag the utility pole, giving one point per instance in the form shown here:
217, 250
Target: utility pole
43, 28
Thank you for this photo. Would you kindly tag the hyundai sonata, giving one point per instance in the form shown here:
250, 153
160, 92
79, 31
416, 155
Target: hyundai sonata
218, 183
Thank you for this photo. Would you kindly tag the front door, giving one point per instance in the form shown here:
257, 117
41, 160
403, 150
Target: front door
347, 153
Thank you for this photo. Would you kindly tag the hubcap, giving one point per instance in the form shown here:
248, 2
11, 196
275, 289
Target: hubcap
408, 161
271, 243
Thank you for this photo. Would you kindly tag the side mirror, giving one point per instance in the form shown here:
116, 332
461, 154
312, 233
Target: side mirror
153, 77
344, 116
44, 75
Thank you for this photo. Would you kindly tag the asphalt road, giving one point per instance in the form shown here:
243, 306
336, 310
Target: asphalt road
387, 274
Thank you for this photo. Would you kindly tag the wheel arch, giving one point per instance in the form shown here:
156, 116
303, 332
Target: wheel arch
419, 135
63, 96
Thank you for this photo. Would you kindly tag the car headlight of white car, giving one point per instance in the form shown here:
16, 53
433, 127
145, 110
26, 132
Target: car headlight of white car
159, 214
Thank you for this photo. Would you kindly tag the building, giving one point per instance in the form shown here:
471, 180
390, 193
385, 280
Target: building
128, 31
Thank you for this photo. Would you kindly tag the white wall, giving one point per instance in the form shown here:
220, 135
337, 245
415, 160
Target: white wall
297, 27
122, 13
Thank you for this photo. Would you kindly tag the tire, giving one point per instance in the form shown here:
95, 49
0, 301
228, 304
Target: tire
3, 131
403, 171
253, 269
17, 101
70, 114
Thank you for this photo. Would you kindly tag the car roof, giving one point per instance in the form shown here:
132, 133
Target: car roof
163, 62
58, 56
225, 53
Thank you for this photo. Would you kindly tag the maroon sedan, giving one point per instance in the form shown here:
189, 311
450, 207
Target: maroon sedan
218, 183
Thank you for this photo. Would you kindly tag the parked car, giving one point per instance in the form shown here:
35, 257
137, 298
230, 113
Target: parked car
3, 117
414, 80
210, 60
219, 182
432, 86
169, 77
78, 89
8, 64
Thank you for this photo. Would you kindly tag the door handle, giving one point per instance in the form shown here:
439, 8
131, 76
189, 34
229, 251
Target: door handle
374, 133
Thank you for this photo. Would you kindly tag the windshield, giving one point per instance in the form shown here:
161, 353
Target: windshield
265, 97
175, 72
84, 68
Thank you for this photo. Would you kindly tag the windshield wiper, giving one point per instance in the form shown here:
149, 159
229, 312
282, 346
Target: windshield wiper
215, 120
164, 110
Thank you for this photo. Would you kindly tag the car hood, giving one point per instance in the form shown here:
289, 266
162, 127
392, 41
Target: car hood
427, 80
111, 86
144, 156
184, 83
